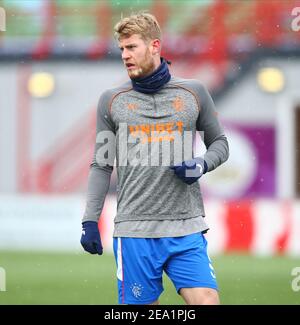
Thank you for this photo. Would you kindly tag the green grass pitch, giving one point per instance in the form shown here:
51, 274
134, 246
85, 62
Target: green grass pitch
66, 278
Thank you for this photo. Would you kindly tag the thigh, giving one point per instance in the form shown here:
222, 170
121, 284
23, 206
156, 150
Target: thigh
139, 271
191, 266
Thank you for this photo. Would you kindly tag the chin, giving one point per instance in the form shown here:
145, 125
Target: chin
136, 73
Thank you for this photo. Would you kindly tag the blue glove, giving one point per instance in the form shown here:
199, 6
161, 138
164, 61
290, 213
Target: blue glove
190, 170
90, 238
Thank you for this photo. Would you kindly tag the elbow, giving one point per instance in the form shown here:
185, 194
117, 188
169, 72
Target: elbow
105, 168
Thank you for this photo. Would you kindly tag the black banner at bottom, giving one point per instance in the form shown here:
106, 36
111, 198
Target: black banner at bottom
149, 314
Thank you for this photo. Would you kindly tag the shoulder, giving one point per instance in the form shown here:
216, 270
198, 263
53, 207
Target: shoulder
192, 85
108, 95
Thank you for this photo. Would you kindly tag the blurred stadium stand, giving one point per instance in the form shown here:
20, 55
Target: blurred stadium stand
219, 32
47, 143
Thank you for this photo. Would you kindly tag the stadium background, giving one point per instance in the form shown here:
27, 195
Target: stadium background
56, 58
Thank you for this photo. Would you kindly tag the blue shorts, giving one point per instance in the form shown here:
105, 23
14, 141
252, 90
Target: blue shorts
141, 262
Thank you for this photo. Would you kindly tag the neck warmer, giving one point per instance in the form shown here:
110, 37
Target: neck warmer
155, 81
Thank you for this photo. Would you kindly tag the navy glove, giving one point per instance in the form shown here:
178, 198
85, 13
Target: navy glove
190, 170
90, 238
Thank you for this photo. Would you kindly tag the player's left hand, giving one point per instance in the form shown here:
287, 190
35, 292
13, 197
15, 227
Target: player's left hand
190, 170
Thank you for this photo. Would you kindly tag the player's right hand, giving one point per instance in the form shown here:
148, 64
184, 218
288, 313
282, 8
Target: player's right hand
90, 238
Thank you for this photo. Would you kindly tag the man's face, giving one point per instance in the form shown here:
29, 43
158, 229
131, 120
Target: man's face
137, 56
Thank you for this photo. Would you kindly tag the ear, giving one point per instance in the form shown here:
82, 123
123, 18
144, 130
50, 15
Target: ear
156, 45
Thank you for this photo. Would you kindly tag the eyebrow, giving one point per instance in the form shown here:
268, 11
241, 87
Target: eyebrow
128, 45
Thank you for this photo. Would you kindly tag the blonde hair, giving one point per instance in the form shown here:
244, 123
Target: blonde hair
143, 24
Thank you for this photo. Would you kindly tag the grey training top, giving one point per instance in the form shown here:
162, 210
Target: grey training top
147, 133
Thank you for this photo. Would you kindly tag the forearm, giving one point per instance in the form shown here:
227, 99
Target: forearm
98, 185
217, 153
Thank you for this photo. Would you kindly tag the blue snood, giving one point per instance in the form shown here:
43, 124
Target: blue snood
155, 81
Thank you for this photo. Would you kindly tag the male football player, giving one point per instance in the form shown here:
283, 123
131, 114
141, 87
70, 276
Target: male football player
160, 223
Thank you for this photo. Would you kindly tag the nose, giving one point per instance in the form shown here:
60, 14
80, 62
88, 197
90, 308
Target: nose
125, 54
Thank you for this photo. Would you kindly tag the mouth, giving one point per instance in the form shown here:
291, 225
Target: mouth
130, 66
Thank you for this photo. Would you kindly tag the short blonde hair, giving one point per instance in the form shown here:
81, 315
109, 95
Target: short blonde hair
143, 24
